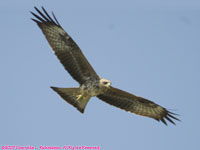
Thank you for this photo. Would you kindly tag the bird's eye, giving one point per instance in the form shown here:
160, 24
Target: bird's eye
105, 82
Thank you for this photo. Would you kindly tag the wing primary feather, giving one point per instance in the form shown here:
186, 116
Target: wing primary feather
163, 120
46, 19
39, 18
62, 44
169, 120
173, 117
56, 19
137, 105
35, 20
48, 15
172, 113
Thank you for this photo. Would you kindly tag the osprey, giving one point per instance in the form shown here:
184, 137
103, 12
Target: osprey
73, 60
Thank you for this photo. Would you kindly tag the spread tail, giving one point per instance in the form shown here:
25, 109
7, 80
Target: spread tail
73, 96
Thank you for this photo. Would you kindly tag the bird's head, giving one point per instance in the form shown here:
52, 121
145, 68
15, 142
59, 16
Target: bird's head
104, 82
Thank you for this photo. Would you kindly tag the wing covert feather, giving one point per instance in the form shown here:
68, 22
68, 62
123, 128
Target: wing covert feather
66, 50
137, 105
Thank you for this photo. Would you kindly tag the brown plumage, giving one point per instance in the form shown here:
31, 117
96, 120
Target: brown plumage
73, 60
137, 105
64, 48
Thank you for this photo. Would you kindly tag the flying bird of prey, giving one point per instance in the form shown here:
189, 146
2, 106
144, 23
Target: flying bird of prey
73, 60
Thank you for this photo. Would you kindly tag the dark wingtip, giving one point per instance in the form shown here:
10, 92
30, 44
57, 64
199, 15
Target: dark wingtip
33, 18
169, 116
44, 17
36, 21
56, 19
163, 120
170, 120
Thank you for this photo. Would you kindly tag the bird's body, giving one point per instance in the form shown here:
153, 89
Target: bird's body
81, 95
73, 60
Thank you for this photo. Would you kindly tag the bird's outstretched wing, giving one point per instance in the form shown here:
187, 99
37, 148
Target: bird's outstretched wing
64, 47
137, 105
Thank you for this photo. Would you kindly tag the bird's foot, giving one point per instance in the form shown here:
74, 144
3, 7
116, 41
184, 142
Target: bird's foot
78, 97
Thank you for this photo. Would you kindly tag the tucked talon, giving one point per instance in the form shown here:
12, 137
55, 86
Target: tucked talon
78, 97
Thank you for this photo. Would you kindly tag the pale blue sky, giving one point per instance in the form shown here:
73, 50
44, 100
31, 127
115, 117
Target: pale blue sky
148, 48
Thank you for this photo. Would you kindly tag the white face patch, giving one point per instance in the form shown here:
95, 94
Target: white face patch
104, 82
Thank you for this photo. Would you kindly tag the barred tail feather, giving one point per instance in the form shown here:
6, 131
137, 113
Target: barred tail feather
73, 96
